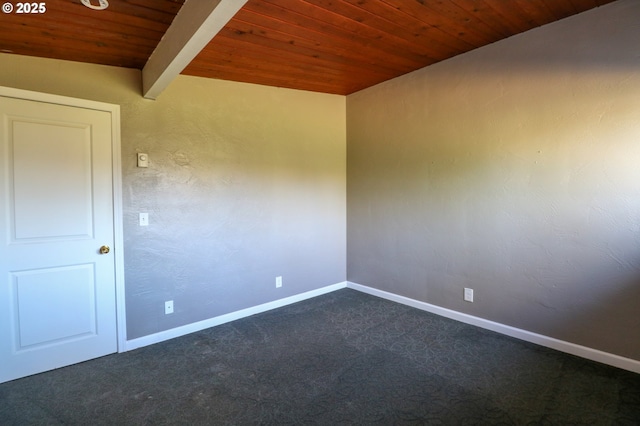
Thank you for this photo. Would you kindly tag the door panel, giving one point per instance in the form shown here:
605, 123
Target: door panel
64, 296
40, 187
57, 291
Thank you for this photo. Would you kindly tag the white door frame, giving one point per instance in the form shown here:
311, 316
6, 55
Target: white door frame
116, 167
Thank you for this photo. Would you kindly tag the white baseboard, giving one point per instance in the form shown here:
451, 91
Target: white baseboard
222, 319
550, 342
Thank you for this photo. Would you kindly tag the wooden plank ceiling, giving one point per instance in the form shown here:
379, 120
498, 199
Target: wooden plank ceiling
331, 46
123, 35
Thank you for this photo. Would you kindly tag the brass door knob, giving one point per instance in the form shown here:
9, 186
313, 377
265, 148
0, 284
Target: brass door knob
104, 249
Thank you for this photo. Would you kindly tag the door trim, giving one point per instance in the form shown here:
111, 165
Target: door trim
116, 167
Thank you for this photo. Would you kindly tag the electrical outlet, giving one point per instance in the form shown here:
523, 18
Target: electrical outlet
278, 282
468, 294
168, 307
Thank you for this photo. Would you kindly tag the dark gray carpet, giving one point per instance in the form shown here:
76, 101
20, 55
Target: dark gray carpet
342, 358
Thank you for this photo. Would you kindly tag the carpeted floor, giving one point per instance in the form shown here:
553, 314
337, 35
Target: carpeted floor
342, 358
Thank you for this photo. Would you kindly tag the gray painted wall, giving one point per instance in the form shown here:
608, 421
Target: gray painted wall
513, 170
245, 183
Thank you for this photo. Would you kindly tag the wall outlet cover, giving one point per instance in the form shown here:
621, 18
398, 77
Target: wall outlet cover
468, 294
144, 219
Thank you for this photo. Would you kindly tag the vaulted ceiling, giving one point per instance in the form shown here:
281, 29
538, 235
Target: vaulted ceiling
331, 46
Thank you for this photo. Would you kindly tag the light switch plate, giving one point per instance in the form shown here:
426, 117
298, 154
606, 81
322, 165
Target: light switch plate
144, 219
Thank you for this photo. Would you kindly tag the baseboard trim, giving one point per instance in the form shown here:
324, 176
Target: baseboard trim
539, 339
222, 319
550, 342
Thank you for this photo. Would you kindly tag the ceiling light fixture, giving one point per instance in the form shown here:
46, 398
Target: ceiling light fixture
102, 4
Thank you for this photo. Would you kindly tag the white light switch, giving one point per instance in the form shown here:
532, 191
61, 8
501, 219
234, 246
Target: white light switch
143, 160
144, 219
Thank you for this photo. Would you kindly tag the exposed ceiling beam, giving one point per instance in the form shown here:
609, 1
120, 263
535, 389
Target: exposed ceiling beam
197, 22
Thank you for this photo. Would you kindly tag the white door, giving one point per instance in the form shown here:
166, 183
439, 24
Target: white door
57, 290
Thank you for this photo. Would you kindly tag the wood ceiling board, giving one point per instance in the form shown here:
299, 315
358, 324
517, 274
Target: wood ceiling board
234, 74
387, 35
41, 44
321, 35
293, 49
423, 38
59, 34
537, 12
123, 35
269, 68
326, 27
490, 16
337, 46
452, 20
417, 30
560, 8
278, 62
328, 39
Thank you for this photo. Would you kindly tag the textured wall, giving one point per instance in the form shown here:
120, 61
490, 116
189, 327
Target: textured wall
513, 170
245, 183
